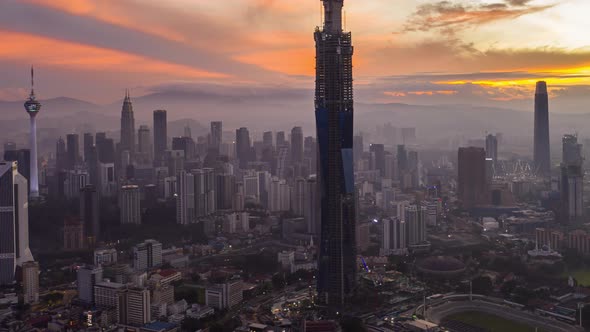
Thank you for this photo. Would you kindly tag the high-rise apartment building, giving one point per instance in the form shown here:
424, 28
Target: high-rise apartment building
88, 143
144, 146
311, 210
296, 145
243, 147
394, 239
30, 272
90, 214
138, 306
492, 149
185, 201
415, 218
267, 139
147, 255
281, 139
129, 205
472, 184
334, 121
378, 157
572, 180
107, 180
160, 135
87, 278
216, 135
73, 150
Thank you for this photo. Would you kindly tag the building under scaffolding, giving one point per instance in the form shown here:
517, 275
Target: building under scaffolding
334, 121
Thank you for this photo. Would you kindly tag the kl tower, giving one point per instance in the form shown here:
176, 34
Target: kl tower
32, 106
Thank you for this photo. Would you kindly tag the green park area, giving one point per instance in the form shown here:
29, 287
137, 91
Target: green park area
490, 322
581, 275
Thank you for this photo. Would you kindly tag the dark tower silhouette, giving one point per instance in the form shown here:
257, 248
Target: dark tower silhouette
334, 122
541, 148
472, 187
243, 147
296, 145
160, 135
73, 150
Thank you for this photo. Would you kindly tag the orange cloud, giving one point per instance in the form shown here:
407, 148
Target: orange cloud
420, 93
52, 52
449, 16
299, 61
110, 12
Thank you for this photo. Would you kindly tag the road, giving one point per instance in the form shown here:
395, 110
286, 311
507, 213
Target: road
438, 313
252, 249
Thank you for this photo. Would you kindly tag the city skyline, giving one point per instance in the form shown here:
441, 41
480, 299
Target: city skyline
241, 217
477, 60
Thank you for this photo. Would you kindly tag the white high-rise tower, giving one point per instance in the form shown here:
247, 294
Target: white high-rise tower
33, 106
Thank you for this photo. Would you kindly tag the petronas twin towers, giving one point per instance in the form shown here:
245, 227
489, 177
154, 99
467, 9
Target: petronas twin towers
334, 124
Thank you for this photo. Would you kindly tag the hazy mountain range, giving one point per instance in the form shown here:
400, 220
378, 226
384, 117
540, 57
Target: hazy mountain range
264, 111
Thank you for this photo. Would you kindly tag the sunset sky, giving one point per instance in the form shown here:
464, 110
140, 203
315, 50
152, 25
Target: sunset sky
408, 51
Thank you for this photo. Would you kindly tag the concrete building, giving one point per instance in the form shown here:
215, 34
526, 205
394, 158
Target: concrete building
138, 306
129, 205
147, 255
492, 150
87, 278
237, 222
363, 239
226, 295
296, 145
107, 179
74, 181
395, 237
415, 224
30, 272
280, 195
472, 184
104, 257
145, 149
311, 210
160, 136
572, 181
90, 214
73, 235
216, 135
185, 201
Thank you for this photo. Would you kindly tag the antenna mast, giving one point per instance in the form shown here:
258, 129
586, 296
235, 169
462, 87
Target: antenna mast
321, 15
32, 82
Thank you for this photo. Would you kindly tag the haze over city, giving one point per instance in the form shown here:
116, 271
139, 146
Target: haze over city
294, 166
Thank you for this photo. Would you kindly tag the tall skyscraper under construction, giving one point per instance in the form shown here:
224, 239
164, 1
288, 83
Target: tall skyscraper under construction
541, 145
334, 122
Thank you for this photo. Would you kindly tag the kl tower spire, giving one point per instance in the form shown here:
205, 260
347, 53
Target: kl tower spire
33, 106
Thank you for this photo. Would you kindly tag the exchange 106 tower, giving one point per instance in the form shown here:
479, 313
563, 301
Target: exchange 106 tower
334, 125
